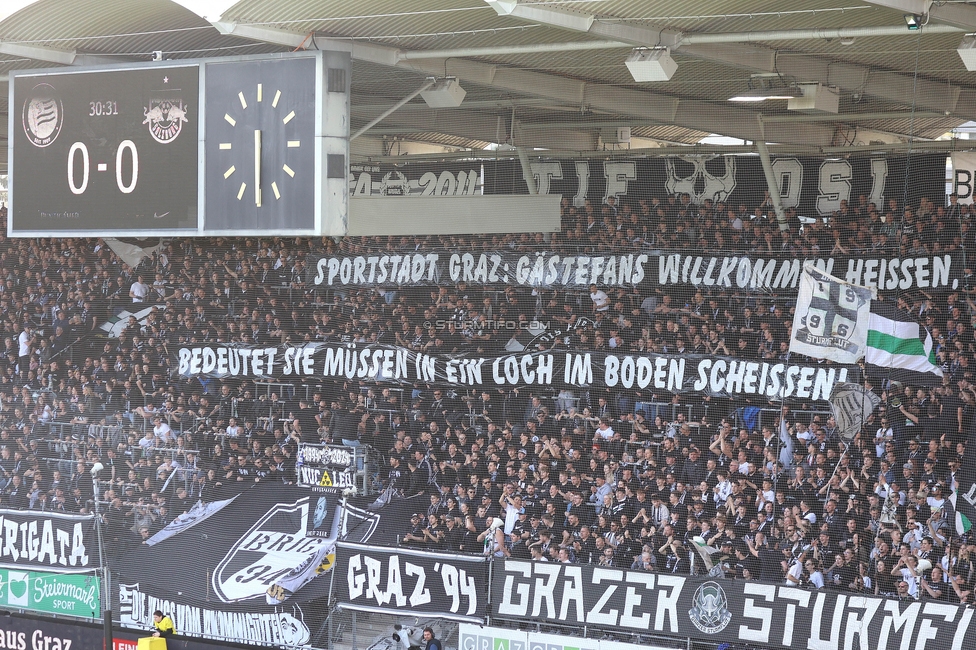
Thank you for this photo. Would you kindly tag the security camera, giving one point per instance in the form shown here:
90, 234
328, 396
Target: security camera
157, 55
96, 468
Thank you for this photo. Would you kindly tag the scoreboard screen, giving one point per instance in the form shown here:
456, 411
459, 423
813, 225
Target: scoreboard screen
105, 150
241, 146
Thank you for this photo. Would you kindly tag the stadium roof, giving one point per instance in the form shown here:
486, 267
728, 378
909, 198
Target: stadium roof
552, 74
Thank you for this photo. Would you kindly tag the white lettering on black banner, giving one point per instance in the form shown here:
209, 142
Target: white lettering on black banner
707, 374
451, 586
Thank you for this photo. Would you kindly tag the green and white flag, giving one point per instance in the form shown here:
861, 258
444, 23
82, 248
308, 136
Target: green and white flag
897, 341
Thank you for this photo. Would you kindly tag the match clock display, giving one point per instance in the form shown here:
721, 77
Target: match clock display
260, 145
105, 151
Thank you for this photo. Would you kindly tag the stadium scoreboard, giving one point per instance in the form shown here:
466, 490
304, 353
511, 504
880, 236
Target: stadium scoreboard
236, 146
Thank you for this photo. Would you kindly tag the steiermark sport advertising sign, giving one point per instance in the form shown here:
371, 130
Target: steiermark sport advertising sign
53, 593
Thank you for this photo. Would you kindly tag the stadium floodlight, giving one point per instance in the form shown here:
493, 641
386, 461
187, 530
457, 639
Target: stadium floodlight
762, 94
444, 93
967, 51
651, 65
815, 98
914, 22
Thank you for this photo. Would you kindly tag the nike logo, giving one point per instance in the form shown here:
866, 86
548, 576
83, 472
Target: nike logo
159, 216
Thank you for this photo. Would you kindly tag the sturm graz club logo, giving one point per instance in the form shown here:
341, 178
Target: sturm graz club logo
165, 117
710, 613
43, 115
268, 553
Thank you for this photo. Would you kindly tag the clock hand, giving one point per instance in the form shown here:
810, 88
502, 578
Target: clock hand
257, 167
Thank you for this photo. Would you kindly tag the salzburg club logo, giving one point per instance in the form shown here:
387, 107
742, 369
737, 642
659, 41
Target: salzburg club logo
165, 118
43, 115
710, 613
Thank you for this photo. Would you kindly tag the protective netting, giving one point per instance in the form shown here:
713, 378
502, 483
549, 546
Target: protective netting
617, 393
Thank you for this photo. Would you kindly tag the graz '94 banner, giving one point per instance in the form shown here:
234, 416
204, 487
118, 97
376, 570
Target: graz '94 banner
420, 582
649, 268
717, 376
720, 611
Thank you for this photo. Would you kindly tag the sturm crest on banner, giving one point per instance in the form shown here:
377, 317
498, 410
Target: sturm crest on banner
758, 614
254, 550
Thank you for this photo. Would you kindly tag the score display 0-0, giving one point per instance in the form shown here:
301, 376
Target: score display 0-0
105, 150
235, 145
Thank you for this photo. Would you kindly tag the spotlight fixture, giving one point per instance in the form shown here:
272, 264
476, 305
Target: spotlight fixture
967, 52
762, 94
445, 93
815, 98
768, 86
651, 65
914, 22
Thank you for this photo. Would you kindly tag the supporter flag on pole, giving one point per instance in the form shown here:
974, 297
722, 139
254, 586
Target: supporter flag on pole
786, 450
831, 320
895, 340
851, 404
964, 498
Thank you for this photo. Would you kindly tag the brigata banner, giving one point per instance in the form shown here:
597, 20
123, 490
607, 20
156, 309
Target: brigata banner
651, 268
719, 611
45, 540
717, 376
417, 582
71, 594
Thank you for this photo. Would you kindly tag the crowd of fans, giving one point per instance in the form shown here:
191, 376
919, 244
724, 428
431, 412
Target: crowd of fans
591, 476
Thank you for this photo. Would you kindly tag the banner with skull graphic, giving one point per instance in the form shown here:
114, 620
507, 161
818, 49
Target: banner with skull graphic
814, 186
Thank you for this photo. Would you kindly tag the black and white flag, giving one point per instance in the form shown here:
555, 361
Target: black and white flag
831, 320
851, 404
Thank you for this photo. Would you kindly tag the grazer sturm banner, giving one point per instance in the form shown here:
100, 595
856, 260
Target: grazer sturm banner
653, 268
416, 582
717, 376
720, 611
46, 540
815, 186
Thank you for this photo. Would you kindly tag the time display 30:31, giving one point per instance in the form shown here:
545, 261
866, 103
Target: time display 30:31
126, 140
